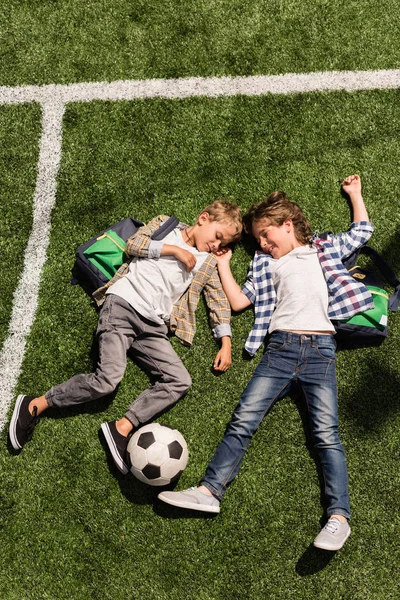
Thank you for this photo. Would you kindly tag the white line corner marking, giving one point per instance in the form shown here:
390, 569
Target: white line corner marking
53, 99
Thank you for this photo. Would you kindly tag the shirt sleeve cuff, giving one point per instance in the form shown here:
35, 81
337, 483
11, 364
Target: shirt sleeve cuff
222, 330
249, 292
155, 248
368, 225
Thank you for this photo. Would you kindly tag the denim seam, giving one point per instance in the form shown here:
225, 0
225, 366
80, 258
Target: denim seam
328, 511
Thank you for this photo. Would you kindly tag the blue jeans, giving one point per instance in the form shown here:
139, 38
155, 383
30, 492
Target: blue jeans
310, 361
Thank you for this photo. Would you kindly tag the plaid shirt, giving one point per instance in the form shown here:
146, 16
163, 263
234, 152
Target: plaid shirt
206, 280
346, 295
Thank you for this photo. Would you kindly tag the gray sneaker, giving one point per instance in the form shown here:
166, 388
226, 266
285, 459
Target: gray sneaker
192, 499
333, 535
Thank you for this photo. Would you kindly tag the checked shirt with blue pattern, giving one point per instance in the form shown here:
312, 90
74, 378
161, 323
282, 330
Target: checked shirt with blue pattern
346, 295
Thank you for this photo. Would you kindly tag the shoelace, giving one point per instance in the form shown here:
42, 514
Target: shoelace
332, 525
32, 423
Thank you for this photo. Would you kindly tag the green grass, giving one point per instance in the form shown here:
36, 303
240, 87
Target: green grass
19, 148
61, 41
71, 527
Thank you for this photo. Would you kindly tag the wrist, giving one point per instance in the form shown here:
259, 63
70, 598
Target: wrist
224, 267
356, 197
226, 341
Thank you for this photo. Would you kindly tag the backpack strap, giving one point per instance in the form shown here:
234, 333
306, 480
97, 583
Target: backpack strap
165, 228
387, 272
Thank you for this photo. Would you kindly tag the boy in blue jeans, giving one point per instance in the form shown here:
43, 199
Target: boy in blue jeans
296, 283
158, 290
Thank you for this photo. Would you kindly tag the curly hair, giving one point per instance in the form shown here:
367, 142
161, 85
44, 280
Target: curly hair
277, 208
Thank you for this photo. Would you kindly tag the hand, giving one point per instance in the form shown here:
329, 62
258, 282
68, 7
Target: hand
223, 360
223, 255
186, 257
352, 185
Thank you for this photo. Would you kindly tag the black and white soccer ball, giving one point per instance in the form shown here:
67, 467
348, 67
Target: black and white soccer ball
158, 454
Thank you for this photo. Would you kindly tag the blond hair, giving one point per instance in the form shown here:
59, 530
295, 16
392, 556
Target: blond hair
277, 208
226, 212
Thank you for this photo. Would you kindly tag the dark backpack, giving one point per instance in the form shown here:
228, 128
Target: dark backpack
368, 328
97, 260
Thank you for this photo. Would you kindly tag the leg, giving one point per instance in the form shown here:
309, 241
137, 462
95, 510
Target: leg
318, 380
153, 352
114, 334
270, 382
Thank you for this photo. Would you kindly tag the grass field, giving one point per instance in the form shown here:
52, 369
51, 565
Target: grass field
70, 526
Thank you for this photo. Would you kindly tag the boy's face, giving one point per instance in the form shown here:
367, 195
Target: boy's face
276, 240
212, 235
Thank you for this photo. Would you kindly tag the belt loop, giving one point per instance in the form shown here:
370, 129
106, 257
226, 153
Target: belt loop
289, 337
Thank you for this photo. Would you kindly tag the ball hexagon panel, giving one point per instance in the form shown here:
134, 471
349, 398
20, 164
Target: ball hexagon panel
157, 454
138, 457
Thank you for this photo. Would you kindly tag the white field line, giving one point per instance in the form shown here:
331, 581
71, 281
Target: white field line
211, 87
53, 99
27, 292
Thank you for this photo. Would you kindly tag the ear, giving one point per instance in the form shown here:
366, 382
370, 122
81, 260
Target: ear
288, 225
203, 218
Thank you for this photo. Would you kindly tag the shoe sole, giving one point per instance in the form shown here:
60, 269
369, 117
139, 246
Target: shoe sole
13, 425
334, 548
119, 462
189, 505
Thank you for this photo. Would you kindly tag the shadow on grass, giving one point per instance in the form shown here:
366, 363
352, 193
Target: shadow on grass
313, 560
173, 512
137, 492
377, 396
134, 490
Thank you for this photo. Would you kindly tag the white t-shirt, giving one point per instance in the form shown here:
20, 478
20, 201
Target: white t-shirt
152, 286
301, 292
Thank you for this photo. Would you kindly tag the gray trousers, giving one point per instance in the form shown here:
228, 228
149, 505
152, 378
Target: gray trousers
120, 329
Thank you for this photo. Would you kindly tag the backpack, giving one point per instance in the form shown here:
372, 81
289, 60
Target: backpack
98, 259
368, 328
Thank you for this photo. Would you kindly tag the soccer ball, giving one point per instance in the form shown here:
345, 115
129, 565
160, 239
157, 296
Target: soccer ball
158, 454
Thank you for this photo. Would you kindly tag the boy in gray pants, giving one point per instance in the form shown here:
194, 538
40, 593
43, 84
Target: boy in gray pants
157, 290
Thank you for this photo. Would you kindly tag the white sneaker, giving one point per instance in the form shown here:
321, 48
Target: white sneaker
192, 498
333, 535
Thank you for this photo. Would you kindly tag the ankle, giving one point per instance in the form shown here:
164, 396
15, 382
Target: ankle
340, 518
124, 426
204, 490
40, 403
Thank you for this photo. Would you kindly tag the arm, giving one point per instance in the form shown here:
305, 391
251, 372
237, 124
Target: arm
361, 229
237, 299
140, 244
186, 257
219, 314
352, 187
223, 360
